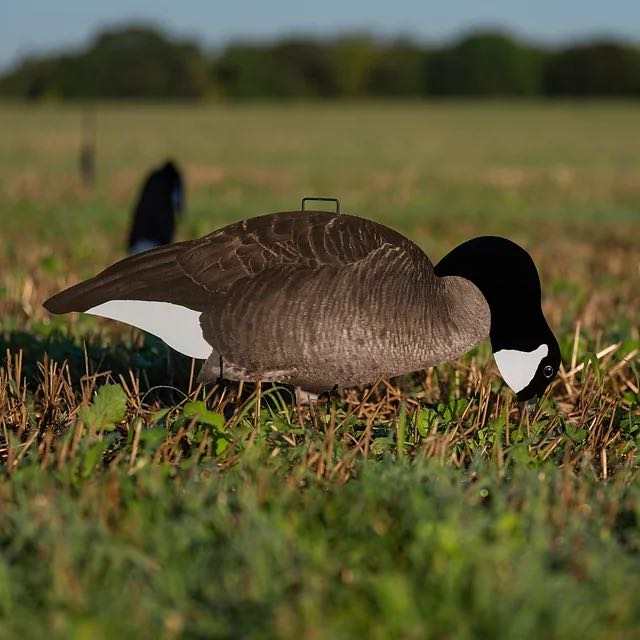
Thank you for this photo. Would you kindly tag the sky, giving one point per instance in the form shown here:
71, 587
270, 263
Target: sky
39, 25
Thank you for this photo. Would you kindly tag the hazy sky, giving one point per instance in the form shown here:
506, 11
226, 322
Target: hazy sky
26, 25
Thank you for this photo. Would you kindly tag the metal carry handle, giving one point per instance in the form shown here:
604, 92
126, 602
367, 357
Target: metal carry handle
334, 200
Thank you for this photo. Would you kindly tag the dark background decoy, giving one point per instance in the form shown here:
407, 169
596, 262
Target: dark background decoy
154, 218
87, 156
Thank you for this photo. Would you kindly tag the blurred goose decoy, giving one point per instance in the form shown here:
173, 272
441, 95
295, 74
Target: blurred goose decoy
319, 300
154, 218
87, 159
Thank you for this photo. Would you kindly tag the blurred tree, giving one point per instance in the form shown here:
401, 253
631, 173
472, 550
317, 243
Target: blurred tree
486, 64
602, 68
353, 60
31, 79
142, 62
305, 69
289, 68
126, 62
245, 71
400, 69
297, 68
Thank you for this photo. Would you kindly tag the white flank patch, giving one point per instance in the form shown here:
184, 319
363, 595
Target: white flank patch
178, 326
518, 367
142, 245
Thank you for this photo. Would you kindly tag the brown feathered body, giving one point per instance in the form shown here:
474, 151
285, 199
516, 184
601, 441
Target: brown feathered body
312, 299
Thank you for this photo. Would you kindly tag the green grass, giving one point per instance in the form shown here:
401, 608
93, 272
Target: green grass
136, 504
411, 550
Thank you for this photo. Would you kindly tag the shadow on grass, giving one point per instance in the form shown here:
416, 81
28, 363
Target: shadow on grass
153, 363
164, 375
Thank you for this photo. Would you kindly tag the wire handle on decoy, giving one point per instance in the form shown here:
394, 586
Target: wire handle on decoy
334, 200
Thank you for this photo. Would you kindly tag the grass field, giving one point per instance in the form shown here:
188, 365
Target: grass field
135, 504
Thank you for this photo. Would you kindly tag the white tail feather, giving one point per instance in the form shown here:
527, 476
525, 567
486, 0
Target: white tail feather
178, 326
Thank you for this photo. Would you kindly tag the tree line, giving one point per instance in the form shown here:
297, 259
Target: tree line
145, 62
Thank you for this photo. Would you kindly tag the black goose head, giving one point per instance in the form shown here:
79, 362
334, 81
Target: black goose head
525, 349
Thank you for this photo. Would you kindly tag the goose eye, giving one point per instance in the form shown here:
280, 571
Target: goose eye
547, 372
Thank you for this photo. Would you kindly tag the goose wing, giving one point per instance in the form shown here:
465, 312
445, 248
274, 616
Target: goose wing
283, 241
192, 273
164, 291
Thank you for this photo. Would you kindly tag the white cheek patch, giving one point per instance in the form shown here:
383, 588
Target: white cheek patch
518, 367
178, 326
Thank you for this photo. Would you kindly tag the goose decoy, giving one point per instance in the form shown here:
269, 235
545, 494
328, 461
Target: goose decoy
154, 218
319, 300
87, 157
